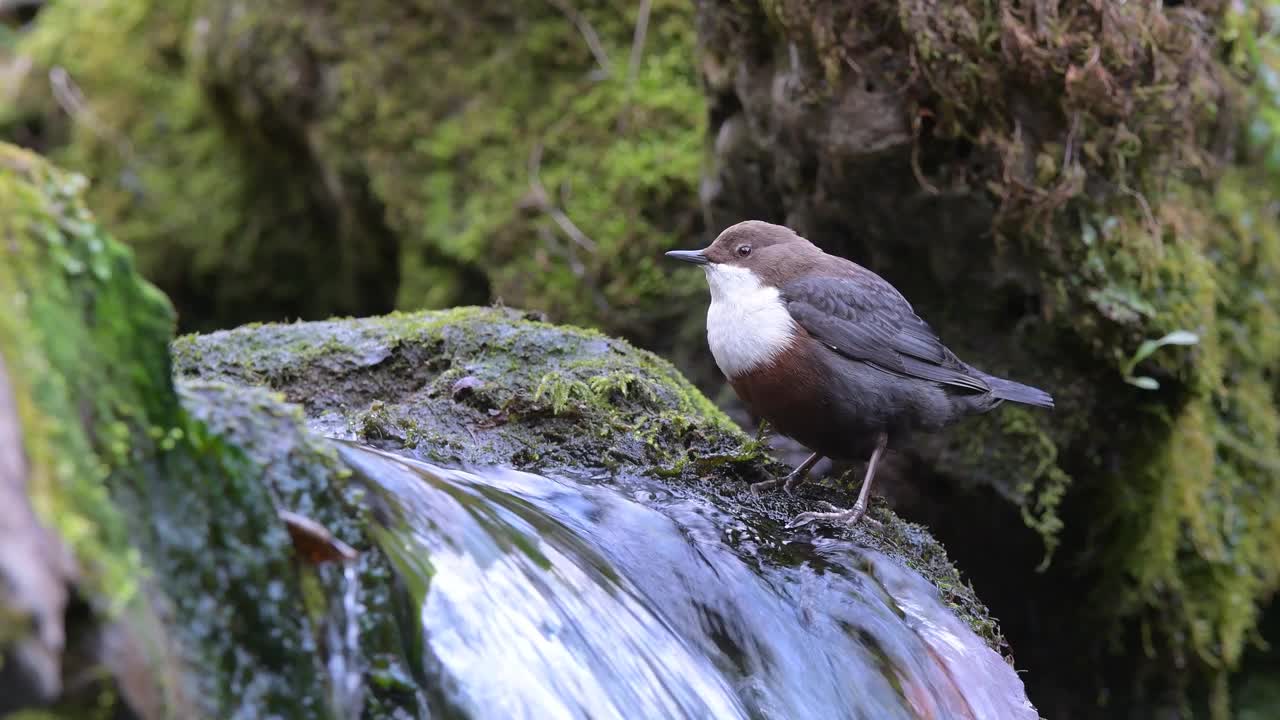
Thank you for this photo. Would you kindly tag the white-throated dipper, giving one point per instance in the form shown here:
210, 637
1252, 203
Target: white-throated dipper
831, 354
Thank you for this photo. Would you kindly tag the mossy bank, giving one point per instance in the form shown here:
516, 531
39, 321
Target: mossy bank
1077, 195
165, 502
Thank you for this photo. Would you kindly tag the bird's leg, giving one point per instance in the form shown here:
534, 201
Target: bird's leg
800, 474
854, 514
792, 479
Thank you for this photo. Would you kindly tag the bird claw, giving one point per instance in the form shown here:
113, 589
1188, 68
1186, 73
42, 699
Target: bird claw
836, 515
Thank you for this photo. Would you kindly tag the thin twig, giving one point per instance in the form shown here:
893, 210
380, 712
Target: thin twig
1069, 150
588, 34
572, 230
539, 198
1153, 224
542, 200
633, 66
66, 92
916, 122
637, 44
72, 101
552, 243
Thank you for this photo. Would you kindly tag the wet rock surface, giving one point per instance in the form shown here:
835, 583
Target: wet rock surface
551, 398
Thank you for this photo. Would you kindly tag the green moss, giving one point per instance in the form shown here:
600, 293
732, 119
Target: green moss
525, 374
1189, 549
83, 342
229, 144
1189, 545
210, 208
1043, 482
1186, 545
1193, 548
545, 131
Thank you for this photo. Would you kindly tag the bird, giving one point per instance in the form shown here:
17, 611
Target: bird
832, 355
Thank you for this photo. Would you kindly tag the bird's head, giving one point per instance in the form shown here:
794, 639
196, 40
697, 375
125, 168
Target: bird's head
750, 254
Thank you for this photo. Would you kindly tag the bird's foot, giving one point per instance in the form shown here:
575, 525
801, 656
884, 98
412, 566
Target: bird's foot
835, 515
851, 516
789, 482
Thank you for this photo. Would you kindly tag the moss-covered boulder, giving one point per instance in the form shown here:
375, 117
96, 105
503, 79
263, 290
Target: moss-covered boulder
494, 386
1078, 195
553, 152
87, 383
158, 575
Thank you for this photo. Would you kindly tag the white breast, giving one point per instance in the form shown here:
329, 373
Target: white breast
747, 324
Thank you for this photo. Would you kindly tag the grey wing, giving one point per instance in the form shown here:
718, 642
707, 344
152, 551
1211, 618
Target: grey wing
865, 318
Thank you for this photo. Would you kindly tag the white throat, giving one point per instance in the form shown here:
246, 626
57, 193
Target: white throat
747, 323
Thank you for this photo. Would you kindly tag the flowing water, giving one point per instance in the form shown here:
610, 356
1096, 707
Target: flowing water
342, 635
607, 597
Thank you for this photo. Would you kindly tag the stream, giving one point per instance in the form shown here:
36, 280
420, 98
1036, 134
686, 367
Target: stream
597, 596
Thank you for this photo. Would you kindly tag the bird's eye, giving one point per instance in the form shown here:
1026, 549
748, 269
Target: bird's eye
744, 250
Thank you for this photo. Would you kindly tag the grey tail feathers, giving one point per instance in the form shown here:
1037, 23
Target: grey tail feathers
1017, 392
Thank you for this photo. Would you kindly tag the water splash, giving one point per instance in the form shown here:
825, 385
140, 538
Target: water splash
342, 636
572, 598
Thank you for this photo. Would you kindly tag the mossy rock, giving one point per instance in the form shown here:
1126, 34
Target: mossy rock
267, 629
548, 162
495, 386
183, 594
1054, 187
82, 339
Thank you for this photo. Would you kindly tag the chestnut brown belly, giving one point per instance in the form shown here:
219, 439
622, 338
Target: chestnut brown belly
797, 396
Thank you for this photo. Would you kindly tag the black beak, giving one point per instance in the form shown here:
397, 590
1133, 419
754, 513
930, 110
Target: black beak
690, 256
